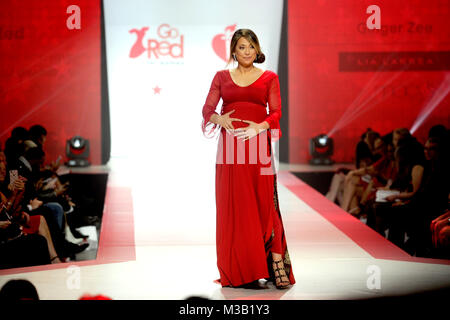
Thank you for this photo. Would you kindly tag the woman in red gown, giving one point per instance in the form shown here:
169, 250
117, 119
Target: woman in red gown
250, 239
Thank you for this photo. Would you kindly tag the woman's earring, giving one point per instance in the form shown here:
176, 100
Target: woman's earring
234, 57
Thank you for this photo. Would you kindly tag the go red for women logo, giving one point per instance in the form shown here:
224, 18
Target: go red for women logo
169, 42
221, 42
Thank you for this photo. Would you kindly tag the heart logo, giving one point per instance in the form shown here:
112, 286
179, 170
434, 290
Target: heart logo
221, 42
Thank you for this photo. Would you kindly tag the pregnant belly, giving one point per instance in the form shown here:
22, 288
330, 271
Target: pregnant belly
245, 111
256, 151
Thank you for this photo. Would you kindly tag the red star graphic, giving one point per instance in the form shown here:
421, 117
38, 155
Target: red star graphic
156, 90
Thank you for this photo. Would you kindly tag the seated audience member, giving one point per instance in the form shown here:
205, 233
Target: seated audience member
14, 144
358, 183
417, 218
57, 200
41, 206
438, 131
391, 215
24, 166
17, 249
38, 137
438, 148
383, 170
52, 192
28, 168
400, 134
336, 191
38, 134
28, 231
379, 175
364, 156
431, 200
13, 209
21, 250
51, 189
442, 134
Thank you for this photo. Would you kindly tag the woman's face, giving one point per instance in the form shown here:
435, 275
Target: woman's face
430, 150
396, 137
42, 140
245, 52
379, 147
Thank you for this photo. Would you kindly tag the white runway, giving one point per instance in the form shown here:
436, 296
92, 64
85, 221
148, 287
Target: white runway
175, 254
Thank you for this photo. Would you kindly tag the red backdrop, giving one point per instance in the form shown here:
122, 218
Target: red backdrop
345, 96
50, 75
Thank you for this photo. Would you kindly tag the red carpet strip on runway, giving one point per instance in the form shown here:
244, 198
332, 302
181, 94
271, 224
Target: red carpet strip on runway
116, 242
365, 237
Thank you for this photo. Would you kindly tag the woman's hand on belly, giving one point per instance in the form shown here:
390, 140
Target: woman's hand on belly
252, 130
224, 120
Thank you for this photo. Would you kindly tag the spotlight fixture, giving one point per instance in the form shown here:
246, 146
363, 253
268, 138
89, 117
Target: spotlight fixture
77, 151
321, 149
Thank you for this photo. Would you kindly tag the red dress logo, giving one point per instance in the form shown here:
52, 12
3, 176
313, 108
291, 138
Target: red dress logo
221, 42
169, 42
138, 48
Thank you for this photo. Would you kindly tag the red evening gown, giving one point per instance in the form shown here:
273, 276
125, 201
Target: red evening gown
248, 219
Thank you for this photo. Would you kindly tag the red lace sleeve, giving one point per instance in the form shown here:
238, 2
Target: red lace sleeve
274, 101
210, 108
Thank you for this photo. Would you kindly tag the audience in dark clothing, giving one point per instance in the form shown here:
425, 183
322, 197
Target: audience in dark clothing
33, 213
366, 154
25, 251
416, 177
394, 213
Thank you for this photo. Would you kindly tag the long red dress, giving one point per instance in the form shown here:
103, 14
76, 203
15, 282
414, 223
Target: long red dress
248, 222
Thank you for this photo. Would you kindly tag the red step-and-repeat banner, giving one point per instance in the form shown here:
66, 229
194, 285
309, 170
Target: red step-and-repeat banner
345, 77
50, 71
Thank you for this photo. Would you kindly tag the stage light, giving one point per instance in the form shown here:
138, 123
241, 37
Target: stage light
321, 149
323, 140
77, 151
439, 94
